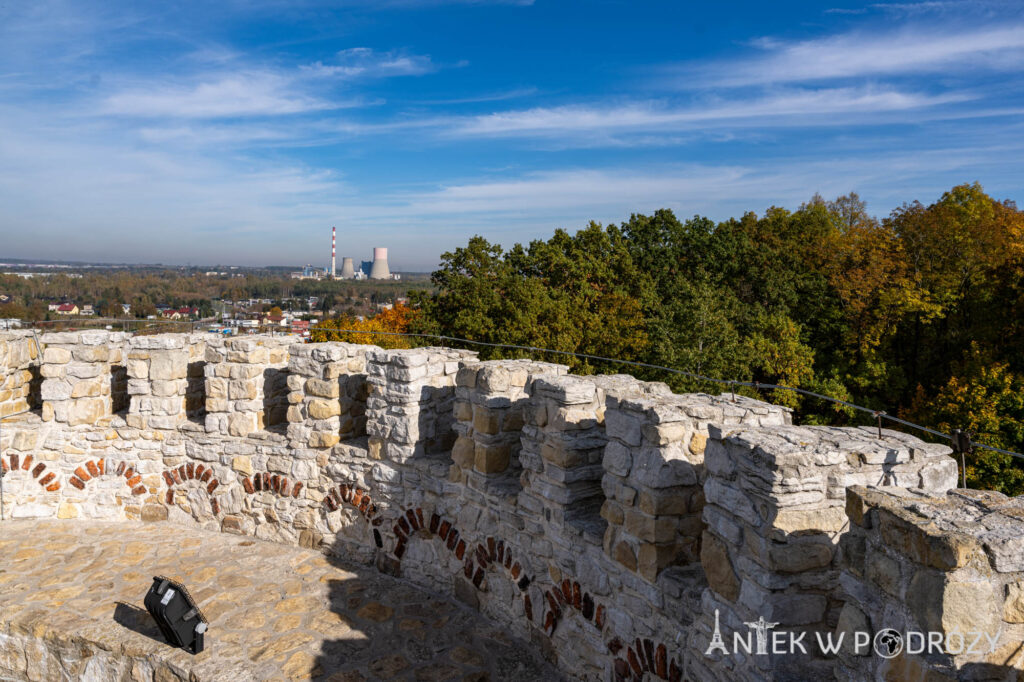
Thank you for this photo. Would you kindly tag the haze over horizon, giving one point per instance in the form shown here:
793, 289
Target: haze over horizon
241, 132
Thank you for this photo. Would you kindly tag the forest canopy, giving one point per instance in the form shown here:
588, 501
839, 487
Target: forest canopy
919, 314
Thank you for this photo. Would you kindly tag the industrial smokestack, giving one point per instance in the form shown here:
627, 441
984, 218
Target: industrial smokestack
332, 253
379, 269
348, 271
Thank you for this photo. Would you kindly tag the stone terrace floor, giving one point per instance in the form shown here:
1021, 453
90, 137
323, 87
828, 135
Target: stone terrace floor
276, 612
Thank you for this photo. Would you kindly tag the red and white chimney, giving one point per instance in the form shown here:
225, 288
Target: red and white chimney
332, 251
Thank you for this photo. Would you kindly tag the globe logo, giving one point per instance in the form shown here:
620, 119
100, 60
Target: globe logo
888, 643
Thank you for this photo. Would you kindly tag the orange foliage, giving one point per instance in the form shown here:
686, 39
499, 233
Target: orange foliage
373, 331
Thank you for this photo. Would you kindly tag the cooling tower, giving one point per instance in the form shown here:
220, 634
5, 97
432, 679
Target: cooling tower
379, 269
347, 270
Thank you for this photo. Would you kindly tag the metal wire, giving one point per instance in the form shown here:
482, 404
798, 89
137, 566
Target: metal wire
727, 382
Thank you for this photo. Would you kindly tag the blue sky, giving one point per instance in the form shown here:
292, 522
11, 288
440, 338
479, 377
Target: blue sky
239, 132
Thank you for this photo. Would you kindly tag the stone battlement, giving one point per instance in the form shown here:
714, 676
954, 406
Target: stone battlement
607, 520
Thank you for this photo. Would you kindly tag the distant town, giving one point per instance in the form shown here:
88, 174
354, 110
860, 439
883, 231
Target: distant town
227, 299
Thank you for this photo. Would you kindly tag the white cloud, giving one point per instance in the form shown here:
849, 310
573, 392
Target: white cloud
796, 107
240, 94
851, 55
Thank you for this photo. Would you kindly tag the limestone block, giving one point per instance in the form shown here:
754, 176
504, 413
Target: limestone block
53, 389
168, 365
485, 420
216, 388
217, 405
323, 409
463, 411
84, 370
99, 353
323, 439
650, 528
652, 558
322, 388
87, 411
663, 467
242, 390
799, 557
242, 464
663, 434
714, 557
883, 572
54, 355
623, 426
1013, 605
851, 621
90, 388
612, 513
137, 369
941, 603
52, 371
167, 388
698, 443
665, 501
241, 423
625, 555
491, 459
464, 452
618, 459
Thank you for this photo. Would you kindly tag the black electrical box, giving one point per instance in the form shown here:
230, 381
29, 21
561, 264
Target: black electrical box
176, 613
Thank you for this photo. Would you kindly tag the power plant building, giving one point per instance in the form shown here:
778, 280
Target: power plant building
348, 271
379, 268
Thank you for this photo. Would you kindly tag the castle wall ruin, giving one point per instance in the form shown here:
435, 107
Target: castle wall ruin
606, 520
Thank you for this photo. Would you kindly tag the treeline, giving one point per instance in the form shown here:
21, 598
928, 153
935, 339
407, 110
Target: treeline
919, 314
106, 290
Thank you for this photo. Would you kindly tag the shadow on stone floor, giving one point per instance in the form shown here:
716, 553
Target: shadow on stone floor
137, 620
409, 633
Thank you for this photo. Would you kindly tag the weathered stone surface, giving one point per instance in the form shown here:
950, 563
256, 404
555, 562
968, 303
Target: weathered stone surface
80, 616
1013, 605
714, 557
942, 605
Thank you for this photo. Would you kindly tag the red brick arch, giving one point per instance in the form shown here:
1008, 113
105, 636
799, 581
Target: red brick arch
46, 479
192, 472
95, 468
272, 483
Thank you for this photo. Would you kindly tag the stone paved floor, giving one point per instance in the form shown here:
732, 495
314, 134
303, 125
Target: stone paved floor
275, 612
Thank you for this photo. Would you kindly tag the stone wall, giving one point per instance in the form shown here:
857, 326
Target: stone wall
491, 402
83, 376
410, 408
654, 472
19, 372
603, 518
952, 565
328, 390
237, 373
775, 511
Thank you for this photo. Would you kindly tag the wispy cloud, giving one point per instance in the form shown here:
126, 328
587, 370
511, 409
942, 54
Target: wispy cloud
864, 54
795, 107
363, 62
